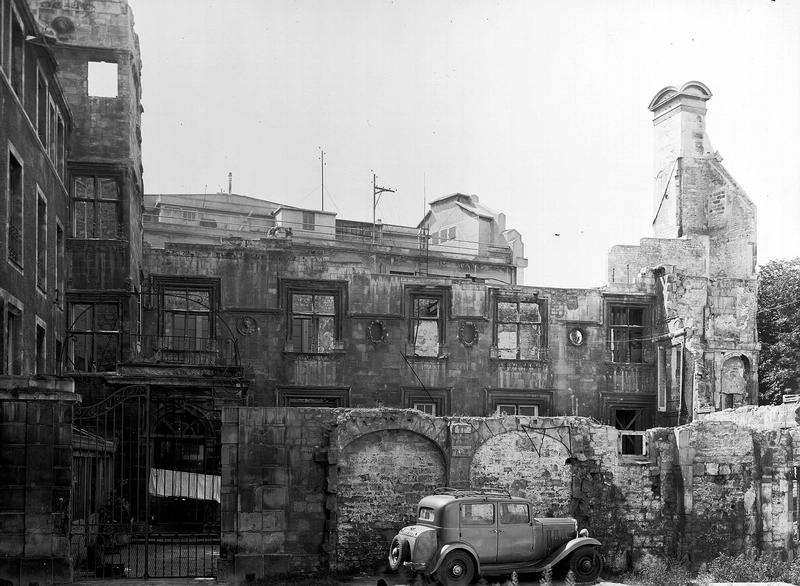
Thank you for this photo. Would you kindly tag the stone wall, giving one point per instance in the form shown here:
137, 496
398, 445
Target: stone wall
325, 489
35, 485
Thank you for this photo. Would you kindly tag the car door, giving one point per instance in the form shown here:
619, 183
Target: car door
478, 527
514, 532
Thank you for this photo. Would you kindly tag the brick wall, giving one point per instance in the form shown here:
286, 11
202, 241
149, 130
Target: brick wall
325, 490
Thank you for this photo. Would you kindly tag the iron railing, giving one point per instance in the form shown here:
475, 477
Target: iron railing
183, 350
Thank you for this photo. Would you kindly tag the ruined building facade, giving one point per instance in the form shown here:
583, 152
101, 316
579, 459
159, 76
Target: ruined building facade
327, 316
130, 322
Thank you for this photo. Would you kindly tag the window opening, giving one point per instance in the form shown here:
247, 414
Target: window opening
17, 54
313, 322
308, 220
59, 261
41, 349
15, 210
102, 79
519, 330
426, 324
507, 409
41, 107
94, 336
627, 334
41, 243
96, 207
630, 420
427, 408
13, 341
187, 313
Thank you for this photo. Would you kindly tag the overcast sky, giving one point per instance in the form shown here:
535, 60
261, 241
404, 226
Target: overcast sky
539, 108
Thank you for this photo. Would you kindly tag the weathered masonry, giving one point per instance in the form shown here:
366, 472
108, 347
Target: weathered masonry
309, 489
326, 312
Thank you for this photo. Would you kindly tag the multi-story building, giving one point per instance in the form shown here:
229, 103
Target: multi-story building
36, 122
323, 318
35, 125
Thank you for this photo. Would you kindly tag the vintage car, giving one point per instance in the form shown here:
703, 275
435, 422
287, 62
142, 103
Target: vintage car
462, 534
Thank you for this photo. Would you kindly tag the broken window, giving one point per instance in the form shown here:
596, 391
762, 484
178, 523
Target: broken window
629, 421
94, 336
313, 321
427, 324
102, 79
41, 242
518, 330
627, 333
96, 207
14, 210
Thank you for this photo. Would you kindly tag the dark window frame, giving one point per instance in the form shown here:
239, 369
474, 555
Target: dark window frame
94, 331
337, 289
94, 203
412, 296
628, 338
15, 205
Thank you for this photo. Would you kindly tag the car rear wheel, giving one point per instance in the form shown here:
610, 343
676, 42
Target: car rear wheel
457, 569
586, 564
398, 553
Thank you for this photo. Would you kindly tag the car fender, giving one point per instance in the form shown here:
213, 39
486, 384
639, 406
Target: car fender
570, 546
453, 547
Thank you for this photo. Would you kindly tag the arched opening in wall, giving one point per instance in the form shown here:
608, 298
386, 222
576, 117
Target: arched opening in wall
381, 477
184, 482
530, 464
734, 382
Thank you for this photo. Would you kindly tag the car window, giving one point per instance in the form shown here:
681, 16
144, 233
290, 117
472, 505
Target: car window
425, 514
514, 513
477, 514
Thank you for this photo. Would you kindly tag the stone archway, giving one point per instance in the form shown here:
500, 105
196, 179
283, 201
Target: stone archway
380, 478
532, 464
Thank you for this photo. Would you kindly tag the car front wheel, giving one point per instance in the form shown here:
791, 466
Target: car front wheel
457, 569
586, 564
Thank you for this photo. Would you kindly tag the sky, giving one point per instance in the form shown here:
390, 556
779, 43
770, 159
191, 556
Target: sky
539, 108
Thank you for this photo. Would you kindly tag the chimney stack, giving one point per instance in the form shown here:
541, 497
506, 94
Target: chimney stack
679, 133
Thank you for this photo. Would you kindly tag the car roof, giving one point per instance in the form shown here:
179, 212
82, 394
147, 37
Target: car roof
442, 498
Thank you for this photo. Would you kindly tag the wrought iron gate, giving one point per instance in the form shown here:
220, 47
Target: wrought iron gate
146, 486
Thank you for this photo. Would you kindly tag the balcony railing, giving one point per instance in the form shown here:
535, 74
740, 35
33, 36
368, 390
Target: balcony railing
183, 350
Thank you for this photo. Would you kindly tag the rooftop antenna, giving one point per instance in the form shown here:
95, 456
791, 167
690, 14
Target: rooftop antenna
322, 173
376, 197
